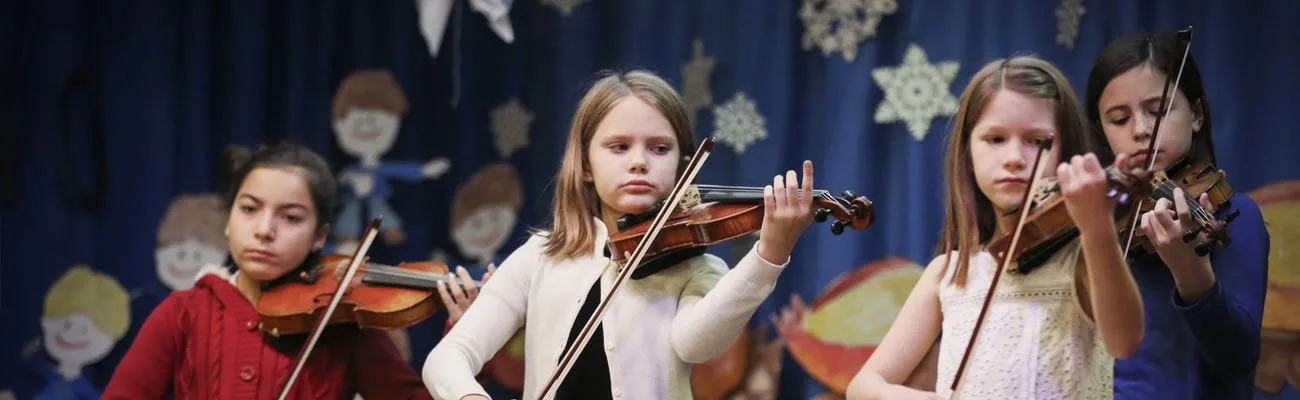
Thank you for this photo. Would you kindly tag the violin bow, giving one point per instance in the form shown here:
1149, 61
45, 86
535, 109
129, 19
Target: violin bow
1168, 104
674, 197
1011, 255
368, 237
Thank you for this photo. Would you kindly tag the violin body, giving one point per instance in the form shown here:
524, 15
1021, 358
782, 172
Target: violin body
387, 297
727, 213
1048, 226
1195, 178
685, 229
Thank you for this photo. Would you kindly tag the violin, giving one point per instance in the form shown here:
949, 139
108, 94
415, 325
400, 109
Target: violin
731, 213
713, 214
382, 296
329, 293
1194, 176
1048, 226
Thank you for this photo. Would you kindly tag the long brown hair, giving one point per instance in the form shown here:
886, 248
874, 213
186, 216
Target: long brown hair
576, 204
969, 219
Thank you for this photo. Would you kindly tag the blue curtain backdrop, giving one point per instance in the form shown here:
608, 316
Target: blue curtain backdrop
165, 85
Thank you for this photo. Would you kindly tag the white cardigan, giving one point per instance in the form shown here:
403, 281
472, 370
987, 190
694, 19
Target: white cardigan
654, 328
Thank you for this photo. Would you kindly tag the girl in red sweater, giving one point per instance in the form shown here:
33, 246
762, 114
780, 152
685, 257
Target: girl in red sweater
204, 343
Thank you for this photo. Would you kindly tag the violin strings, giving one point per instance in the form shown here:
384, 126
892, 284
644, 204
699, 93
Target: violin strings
1194, 207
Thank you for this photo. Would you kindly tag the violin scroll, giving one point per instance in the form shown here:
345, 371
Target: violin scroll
849, 210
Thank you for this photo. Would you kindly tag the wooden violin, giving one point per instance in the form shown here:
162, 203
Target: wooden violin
714, 214
1048, 226
381, 296
1194, 176
329, 293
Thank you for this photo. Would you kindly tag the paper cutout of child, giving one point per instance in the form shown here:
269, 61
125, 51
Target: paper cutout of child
86, 313
368, 108
484, 211
189, 237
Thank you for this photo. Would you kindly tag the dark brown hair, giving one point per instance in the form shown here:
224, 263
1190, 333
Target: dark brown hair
1162, 53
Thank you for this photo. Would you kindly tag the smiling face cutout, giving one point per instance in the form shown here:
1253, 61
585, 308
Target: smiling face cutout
484, 211
86, 313
189, 237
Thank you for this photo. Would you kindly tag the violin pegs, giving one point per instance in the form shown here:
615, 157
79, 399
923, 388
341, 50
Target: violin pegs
1232, 215
837, 228
1191, 234
1202, 249
821, 213
848, 194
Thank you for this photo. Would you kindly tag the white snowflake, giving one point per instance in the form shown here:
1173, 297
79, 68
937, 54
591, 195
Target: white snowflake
738, 123
852, 22
1068, 14
565, 6
510, 123
696, 92
916, 91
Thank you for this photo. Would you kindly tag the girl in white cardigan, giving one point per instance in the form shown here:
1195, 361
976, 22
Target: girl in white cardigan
628, 143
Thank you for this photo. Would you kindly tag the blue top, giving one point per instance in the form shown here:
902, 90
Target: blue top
59, 388
406, 171
1208, 349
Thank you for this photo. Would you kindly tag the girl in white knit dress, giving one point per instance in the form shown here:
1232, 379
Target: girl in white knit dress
1051, 333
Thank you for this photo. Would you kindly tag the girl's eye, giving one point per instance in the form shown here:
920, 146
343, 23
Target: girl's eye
618, 147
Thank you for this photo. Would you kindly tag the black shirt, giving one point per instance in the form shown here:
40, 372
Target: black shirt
589, 376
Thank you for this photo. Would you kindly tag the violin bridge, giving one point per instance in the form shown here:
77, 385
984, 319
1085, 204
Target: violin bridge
690, 198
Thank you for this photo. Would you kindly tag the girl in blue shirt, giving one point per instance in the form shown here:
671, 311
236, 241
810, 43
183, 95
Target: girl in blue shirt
1203, 313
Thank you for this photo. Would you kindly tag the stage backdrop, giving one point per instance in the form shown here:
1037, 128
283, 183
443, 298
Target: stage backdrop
114, 116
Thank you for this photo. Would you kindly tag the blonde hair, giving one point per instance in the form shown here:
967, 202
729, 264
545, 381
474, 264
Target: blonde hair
969, 219
194, 216
576, 203
369, 88
95, 294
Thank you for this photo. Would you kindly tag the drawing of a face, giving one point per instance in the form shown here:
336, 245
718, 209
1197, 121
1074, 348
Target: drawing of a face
367, 132
75, 340
484, 231
179, 262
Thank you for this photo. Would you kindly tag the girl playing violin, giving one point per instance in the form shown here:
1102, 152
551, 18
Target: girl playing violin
626, 147
205, 343
1203, 313
1051, 333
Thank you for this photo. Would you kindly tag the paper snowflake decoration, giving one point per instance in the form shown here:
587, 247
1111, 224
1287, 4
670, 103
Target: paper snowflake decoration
565, 6
1068, 14
738, 123
510, 123
842, 24
916, 91
696, 92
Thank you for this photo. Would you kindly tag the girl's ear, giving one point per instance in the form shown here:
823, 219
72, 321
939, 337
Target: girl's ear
1198, 115
322, 233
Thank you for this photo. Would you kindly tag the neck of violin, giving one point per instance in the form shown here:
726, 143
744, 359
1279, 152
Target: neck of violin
392, 276
737, 194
